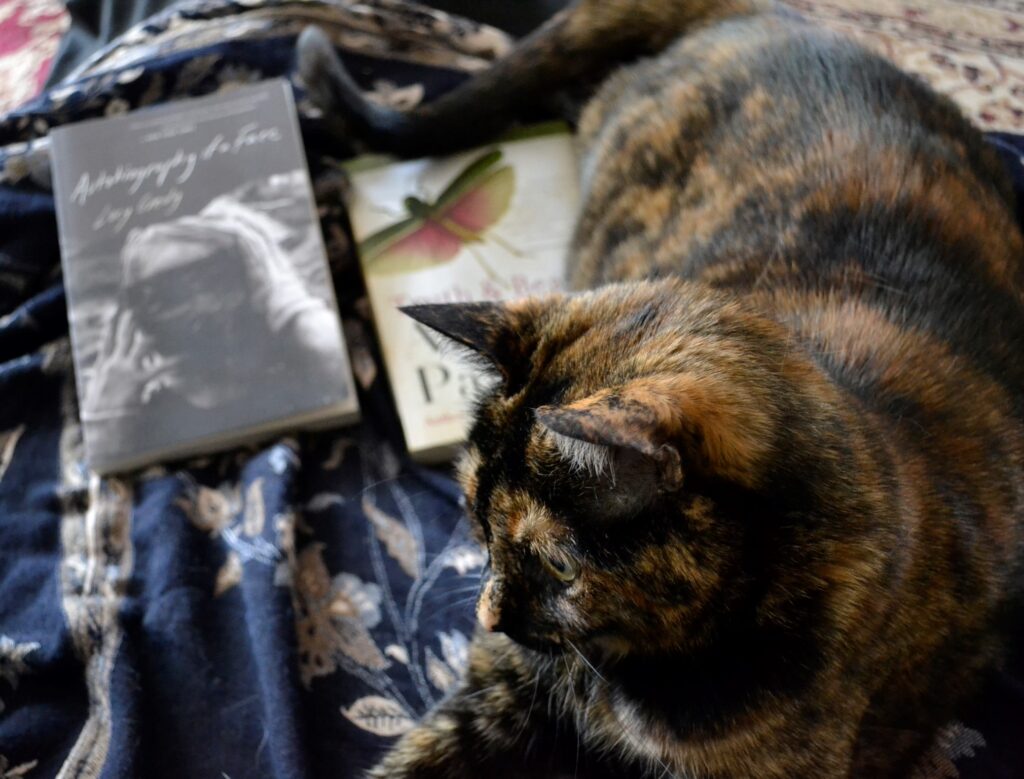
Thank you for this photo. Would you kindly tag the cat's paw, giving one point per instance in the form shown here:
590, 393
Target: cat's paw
387, 770
403, 763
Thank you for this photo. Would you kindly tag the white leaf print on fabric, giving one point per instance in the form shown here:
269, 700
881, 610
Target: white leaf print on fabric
396, 652
229, 575
7, 771
255, 511
284, 456
364, 366
324, 500
337, 453
953, 742
117, 107
153, 472
12, 658
396, 538
355, 598
438, 672
961, 741
465, 559
129, 75
387, 462
283, 574
12, 662
8, 441
231, 77
379, 715
387, 93
455, 650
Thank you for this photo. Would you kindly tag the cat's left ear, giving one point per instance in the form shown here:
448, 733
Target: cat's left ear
678, 422
503, 334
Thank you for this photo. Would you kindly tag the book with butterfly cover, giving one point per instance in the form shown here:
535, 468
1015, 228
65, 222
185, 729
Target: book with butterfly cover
488, 224
201, 307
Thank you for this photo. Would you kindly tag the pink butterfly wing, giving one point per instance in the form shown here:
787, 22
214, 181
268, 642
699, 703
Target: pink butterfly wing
429, 244
483, 204
431, 241
470, 210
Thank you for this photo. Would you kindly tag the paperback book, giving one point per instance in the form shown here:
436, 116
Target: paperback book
488, 224
201, 309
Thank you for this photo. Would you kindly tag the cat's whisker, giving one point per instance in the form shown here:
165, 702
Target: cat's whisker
529, 711
468, 596
576, 707
585, 660
432, 558
505, 655
374, 484
486, 267
460, 596
463, 603
474, 587
504, 243
482, 691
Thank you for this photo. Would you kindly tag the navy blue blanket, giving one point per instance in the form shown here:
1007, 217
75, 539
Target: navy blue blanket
280, 611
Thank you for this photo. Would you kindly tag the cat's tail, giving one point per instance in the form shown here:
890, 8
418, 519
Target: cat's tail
575, 46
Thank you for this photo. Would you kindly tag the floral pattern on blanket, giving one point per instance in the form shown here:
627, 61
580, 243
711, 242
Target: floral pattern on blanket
368, 625
399, 627
8, 771
13, 661
336, 535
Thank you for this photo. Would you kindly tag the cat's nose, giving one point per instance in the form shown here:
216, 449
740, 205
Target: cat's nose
488, 612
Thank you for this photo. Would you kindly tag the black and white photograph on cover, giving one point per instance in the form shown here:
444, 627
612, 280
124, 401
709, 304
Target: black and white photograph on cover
209, 307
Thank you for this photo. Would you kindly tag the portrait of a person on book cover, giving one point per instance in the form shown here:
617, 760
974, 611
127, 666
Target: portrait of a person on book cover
203, 301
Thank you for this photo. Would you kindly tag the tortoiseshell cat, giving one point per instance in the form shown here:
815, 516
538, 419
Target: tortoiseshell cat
754, 502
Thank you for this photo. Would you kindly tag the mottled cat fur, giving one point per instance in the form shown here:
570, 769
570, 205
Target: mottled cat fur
754, 501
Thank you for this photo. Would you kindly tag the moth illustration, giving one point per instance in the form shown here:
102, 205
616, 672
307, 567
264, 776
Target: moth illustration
434, 233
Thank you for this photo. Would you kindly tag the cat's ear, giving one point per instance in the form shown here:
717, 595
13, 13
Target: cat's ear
678, 422
503, 334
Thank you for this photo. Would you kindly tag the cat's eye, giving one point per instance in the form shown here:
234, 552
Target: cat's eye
562, 568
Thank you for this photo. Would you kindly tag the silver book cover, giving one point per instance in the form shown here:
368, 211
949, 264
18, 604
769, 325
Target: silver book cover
201, 308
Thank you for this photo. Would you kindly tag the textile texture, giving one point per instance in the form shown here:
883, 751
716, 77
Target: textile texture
30, 31
285, 610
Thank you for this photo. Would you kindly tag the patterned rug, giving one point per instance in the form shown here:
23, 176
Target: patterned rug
972, 50
30, 31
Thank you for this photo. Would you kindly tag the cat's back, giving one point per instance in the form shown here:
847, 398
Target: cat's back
846, 200
791, 166
749, 138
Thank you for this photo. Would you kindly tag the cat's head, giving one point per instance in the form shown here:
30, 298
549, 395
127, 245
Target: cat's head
639, 446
